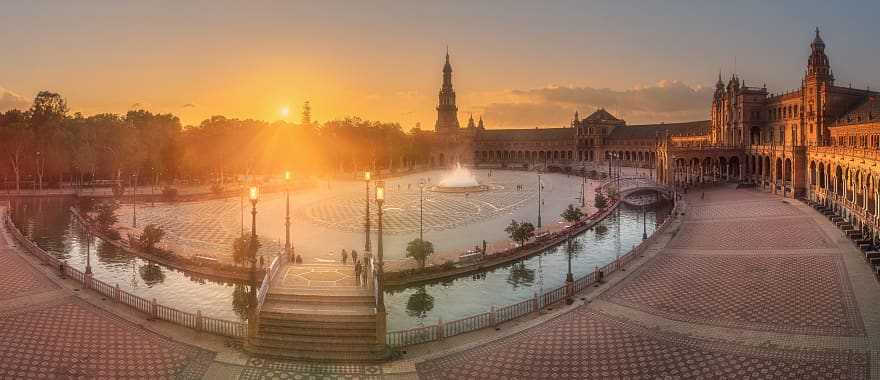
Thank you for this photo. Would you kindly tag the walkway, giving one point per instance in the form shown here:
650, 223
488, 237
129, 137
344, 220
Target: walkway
749, 286
46, 331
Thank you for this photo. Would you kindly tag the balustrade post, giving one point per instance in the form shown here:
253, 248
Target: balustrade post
87, 281
199, 321
154, 309
493, 316
536, 303
117, 294
441, 329
61, 269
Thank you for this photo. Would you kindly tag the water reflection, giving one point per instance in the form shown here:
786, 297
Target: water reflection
47, 221
520, 275
419, 304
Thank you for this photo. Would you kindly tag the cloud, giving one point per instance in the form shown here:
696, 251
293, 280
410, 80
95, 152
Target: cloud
666, 101
10, 100
188, 105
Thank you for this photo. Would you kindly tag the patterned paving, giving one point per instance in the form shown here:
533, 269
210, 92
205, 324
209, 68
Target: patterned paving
749, 287
782, 233
588, 345
258, 368
794, 294
736, 210
17, 278
73, 340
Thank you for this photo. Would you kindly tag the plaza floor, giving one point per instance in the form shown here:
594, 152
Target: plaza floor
749, 286
330, 217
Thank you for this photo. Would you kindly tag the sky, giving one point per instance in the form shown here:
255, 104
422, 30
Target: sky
518, 64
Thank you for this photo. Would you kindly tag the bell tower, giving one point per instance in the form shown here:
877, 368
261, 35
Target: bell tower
818, 80
447, 111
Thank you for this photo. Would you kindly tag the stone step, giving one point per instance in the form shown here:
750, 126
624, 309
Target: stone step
275, 309
872, 254
874, 260
320, 323
346, 357
306, 331
364, 346
321, 292
329, 299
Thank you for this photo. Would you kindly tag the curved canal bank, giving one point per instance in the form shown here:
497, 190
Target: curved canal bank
49, 223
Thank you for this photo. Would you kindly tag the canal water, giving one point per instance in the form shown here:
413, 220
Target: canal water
49, 223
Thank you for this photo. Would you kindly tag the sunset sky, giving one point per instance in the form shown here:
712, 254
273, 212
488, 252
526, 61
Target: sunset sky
520, 64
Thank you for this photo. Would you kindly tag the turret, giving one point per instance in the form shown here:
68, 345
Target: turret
818, 65
480, 124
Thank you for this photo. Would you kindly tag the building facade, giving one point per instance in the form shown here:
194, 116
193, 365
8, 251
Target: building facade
820, 141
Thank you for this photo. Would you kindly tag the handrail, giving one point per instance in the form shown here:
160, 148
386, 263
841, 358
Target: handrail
495, 316
154, 309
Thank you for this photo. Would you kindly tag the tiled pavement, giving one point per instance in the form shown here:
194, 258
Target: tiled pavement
750, 287
47, 333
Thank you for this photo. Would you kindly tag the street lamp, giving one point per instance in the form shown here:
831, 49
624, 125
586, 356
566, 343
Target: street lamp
287, 214
569, 278
367, 214
421, 209
540, 188
584, 192
254, 196
88, 252
134, 221
380, 199
644, 222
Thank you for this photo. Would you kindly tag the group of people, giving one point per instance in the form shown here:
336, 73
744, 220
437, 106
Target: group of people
360, 266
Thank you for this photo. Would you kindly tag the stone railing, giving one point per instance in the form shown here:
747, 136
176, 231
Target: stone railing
496, 316
863, 153
150, 307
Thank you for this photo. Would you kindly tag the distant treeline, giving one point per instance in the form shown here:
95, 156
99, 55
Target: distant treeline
45, 146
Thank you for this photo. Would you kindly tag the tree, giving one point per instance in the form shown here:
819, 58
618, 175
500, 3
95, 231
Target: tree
520, 232
107, 214
242, 251
600, 201
572, 214
151, 236
420, 250
306, 114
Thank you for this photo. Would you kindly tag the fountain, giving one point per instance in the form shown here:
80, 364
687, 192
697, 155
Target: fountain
459, 181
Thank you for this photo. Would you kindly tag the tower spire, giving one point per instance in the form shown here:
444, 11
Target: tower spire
447, 111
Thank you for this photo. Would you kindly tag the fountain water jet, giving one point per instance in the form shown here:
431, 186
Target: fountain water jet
460, 180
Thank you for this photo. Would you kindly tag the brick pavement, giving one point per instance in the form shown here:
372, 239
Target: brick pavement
45, 333
749, 287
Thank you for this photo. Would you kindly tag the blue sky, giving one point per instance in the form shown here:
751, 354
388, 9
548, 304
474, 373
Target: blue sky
382, 60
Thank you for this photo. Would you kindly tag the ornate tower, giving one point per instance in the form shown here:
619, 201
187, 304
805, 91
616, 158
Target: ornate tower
447, 111
818, 81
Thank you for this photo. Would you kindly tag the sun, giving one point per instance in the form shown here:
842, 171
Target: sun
285, 111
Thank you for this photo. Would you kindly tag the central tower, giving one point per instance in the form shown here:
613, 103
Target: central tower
447, 111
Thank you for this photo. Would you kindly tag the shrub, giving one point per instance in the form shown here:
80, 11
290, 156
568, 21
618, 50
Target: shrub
151, 236
419, 250
600, 201
572, 214
520, 232
107, 214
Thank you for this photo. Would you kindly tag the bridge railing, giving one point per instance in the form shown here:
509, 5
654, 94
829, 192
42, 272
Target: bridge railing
150, 307
496, 316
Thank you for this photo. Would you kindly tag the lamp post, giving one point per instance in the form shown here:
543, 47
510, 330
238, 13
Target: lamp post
584, 192
254, 196
644, 222
88, 252
540, 188
287, 214
367, 214
421, 209
380, 199
134, 221
569, 278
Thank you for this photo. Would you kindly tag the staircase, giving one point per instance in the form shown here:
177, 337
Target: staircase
317, 312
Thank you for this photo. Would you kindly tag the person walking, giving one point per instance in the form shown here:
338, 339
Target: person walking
354, 257
344, 256
357, 271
